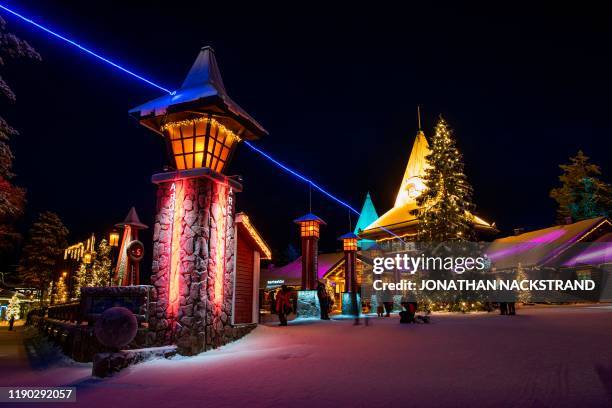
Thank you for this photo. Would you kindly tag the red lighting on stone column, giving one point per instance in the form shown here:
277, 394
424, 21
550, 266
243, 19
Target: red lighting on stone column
193, 239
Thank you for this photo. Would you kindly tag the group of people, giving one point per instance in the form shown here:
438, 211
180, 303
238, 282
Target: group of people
507, 308
384, 309
282, 302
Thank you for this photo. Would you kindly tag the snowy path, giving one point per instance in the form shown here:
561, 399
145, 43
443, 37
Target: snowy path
542, 357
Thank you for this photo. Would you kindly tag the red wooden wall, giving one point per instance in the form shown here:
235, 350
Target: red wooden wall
243, 308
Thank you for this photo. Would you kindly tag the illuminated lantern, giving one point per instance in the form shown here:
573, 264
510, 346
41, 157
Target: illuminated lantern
350, 297
113, 239
200, 142
349, 242
194, 232
309, 232
87, 258
199, 122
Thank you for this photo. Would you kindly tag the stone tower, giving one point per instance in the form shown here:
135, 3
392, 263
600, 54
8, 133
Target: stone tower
193, 237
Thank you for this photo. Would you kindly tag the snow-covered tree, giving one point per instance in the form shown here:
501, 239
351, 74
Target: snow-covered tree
43, 248
12, 198
13, 308
582, 194
445, 206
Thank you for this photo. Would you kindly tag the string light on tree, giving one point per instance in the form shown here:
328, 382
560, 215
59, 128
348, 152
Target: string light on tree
13, 308
445, 206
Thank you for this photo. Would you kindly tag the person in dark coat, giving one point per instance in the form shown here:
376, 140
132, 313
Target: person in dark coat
11, 323
511, 308
503, 308
272, 300
283, 305
323, 300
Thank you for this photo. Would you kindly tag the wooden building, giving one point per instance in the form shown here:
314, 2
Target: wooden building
250, 250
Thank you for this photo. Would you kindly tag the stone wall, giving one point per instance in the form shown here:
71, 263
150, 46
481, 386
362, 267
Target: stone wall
193, 262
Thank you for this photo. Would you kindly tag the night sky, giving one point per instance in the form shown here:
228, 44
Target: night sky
336, 88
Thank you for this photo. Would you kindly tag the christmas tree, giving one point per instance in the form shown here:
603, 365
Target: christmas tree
13, 308
61, 291
445, 205
523, 295
45, 245
98, 273
582, 194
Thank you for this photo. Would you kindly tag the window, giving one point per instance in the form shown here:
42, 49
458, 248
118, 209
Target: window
202, 142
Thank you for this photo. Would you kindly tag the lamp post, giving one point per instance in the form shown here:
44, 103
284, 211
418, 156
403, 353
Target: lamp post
193, 233
113, 241
308, 302
127, 271
350, 297
309, 232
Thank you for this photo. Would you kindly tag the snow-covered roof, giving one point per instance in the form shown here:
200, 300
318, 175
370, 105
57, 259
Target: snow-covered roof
541, 247
291, 274
203, 86
400, 219
243, 221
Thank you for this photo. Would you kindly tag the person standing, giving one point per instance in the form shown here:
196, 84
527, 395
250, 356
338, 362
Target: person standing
323, 300
511, 309
283, 305
11, 322
503, 308
272, 300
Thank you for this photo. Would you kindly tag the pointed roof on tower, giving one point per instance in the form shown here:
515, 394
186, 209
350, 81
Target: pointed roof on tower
412, 183
400, 219
367, 216
202, 91
132, 220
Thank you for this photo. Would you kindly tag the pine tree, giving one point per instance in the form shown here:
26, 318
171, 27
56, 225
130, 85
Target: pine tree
445, 205
582, 194
12, 198
13, 309
98, 273
524, 296
43, 248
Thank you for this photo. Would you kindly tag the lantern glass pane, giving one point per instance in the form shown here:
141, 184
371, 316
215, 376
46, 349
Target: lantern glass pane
180, 162
199, 146
189, 161
187, 130
198, 159
200, 128
193, 147
177, 147
188, 145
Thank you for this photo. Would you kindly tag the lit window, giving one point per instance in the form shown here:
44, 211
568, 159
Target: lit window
309, 229
202, 142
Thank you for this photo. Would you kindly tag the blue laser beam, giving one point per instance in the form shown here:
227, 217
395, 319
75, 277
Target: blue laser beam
313, 184
82, 48
133, 74
298, 175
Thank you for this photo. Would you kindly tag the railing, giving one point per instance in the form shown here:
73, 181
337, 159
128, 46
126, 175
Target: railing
69, 312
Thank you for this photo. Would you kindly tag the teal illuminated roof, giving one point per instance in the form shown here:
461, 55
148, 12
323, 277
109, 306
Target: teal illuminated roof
368, 215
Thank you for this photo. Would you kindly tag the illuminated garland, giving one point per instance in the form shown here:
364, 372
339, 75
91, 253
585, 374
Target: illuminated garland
247, 224
206, 119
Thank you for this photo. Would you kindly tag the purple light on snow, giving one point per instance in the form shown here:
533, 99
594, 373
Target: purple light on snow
597, 254
527, 245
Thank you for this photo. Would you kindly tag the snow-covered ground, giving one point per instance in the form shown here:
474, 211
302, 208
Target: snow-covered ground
557, 356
